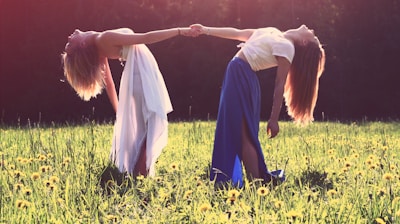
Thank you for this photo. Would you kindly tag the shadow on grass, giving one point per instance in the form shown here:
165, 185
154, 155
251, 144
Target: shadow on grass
111, 179
314, 179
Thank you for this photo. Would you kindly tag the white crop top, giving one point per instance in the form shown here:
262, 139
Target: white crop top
262, 47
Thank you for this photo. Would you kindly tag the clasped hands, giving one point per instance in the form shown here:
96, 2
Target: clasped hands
193, 31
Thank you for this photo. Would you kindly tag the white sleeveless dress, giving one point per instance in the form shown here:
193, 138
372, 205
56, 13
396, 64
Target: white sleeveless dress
142, 111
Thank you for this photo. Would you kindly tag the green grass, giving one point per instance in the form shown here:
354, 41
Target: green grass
336, 173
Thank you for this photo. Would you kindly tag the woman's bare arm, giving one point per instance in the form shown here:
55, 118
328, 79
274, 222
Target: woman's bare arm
110, 86
224, 32
280, 80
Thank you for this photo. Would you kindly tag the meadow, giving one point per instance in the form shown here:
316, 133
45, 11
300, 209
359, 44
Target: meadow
335, 173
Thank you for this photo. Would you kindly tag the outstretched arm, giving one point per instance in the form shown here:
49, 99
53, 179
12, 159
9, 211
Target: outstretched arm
224, 32
280, 80
123, 37
110, 86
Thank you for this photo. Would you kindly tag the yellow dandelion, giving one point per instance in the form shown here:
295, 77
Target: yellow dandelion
359, 173
231, 200
158, 179
42, 157
50, 155
19, 203
347, 164
356, 155
345, 169
371, 157
205, 207
52, 187
244, 206
25, 204
54, 179
385, 148
294, 214
372, 167
173, 166
11, 167
278, 204
113, 218
388, 176
67, 160
331, 151
380, 221
27, 192
35, 176
18, 187
25, 161
262, 191
19, 159
47, 183
381, 192
43, 169
332, 193
392, 167
188, 194
368, 161
60, 201
233, 193
199, 183
18, 174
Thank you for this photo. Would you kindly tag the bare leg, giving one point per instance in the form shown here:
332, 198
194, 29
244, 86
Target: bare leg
140, 167
249, 154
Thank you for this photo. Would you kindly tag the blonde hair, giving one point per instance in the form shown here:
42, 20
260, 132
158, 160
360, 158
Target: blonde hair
301, 88
83, 71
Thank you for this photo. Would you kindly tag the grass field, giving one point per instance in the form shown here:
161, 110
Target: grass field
336, 173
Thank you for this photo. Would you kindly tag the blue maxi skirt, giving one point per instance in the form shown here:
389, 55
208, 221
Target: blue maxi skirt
240, 99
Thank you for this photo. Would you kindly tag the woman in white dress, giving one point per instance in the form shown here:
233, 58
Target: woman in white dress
140, 131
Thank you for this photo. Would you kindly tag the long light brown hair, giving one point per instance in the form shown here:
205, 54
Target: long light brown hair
301, 88
83, 71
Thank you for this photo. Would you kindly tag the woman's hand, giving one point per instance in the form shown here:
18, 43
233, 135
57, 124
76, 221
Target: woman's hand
200, 29
272, 128
188, 32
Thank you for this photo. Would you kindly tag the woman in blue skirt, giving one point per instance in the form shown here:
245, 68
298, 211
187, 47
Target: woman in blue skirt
299, 58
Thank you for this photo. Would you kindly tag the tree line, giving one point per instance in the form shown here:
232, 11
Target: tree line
361, 39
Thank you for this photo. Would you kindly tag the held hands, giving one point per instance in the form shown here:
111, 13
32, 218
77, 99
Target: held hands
193, 31
188, 32
272, 128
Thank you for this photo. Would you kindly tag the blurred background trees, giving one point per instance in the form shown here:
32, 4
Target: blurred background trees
361, 39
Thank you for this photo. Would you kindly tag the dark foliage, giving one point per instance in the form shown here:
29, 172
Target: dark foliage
361, 37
